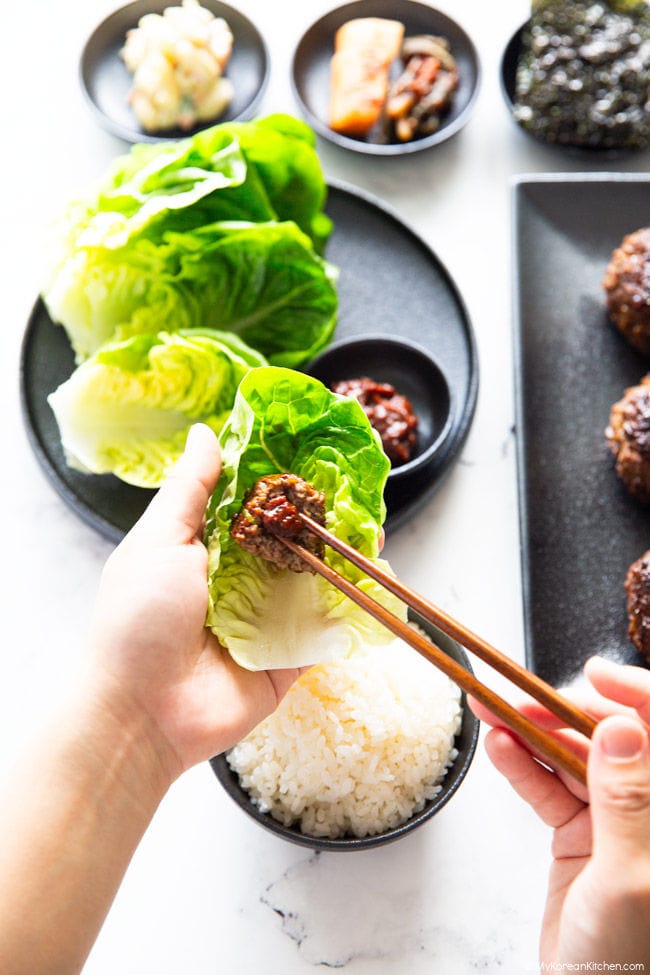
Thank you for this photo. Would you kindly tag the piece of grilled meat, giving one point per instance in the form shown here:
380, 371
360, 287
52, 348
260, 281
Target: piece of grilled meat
627, 288
276, 501
628, 436
637, 587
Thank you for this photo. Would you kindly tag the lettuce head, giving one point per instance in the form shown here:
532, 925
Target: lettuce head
127, 410
222, 230
285, 421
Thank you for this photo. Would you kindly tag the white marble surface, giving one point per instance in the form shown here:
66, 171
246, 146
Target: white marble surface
208, 891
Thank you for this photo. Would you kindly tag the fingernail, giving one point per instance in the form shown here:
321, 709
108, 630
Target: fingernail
622, 739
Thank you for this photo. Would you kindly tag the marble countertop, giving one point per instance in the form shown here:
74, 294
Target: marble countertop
209, 891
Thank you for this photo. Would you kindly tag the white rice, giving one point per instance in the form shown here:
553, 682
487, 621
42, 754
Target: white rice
356, 747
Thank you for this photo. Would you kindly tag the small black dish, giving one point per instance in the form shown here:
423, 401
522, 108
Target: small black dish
414, 373
310, 72
106, 80
508, 72
508, 79
465, 745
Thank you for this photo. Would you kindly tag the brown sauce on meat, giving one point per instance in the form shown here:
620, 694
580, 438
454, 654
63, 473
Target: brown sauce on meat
283, 517
272, 507
390, 413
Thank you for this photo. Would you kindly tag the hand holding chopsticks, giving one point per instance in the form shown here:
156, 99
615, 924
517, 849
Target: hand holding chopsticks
550, 748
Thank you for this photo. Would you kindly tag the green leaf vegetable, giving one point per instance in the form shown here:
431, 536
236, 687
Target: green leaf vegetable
268, 617
222, 230
127, 410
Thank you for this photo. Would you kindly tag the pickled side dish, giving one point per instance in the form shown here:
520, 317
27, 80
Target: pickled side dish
583, 77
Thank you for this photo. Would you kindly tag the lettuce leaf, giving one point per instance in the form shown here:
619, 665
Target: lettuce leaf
128, 409
262, 281
136, 247
267, 617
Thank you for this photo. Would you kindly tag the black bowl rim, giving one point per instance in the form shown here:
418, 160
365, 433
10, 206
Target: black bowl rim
457, 773
132, 135
376, 338
444, 133
510, 51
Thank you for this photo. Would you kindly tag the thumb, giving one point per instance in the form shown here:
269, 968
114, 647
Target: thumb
176, 513
619, 792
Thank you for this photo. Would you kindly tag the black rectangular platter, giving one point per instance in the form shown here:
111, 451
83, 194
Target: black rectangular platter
580, 529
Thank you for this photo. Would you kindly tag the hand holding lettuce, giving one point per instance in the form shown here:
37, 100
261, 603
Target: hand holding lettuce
286, 421
193, 264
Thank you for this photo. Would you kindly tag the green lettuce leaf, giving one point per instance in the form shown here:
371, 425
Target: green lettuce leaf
267, 617
262, 281
128, 409
137, 243
280, 150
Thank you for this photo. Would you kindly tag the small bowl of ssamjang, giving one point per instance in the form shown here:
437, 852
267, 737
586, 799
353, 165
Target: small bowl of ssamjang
403, 391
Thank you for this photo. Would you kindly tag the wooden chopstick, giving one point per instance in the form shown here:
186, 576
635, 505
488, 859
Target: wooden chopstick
537, 688
556, 752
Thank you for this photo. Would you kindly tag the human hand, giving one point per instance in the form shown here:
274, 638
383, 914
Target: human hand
598, 903
154, 662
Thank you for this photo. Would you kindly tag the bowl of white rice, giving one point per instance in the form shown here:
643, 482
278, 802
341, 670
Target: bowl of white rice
360, 752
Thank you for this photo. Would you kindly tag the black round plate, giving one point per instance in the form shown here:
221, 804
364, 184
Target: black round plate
106, 81
389, 278
310, 73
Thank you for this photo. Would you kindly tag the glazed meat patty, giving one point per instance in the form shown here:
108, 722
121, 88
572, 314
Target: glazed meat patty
276, 500
637, 587
628, 436
627, 289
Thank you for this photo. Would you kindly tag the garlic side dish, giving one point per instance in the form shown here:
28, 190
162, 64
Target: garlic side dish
178, 61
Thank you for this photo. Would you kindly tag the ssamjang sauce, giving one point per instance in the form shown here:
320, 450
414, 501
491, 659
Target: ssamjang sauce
390, 414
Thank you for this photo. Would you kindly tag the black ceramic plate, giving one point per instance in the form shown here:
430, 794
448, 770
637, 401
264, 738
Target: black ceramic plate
106, 81
465, 744
388, 277
580, 528
311, 70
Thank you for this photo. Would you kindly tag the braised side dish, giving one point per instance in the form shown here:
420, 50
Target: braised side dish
273, 505
584, 74
390, 414
178, 61
627, 289
420, 96
365, 102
